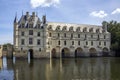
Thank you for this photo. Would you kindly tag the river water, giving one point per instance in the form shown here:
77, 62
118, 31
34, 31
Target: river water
103, 68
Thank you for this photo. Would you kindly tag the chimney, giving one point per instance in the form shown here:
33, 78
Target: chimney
33, 14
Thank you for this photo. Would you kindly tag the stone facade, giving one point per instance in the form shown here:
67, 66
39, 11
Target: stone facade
43, 39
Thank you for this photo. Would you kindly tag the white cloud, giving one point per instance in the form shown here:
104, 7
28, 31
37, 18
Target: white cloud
99, 14
44, 3
116, 11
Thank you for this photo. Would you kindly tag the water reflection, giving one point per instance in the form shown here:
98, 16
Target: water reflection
5, 73
65, 69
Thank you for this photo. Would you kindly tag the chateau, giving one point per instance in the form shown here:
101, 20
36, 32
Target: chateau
43, 39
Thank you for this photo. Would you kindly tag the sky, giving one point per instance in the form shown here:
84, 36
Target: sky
69, 11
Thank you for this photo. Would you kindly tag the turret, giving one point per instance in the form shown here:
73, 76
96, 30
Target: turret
15, 20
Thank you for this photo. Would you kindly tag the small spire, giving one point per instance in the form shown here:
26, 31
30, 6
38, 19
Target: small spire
15, 20
22, 12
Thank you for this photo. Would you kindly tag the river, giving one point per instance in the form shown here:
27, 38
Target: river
99, 68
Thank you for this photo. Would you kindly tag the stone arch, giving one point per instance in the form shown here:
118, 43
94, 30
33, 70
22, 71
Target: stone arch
53, 53
79, 52
65, 52
92, 52
30, 53
105, 51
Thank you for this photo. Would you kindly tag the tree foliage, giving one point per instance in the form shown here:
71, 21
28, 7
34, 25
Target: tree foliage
114, 28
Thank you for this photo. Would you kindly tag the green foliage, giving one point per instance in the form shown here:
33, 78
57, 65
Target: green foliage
114, 28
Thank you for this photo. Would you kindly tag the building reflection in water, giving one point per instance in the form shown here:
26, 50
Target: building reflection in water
64, 69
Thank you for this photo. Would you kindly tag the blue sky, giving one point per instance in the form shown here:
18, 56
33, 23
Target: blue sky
70, 11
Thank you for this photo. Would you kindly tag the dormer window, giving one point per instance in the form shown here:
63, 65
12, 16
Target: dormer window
78, 29
58, 28
64, 28
30, 25
38, 25
23, 25
50, 27
71, 29
85, 30
97, 30
91, 30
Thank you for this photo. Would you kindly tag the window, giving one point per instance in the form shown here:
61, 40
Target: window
98, 37
38, 42
50, 34
72, 42
23, 25
30, 40
86, 43
64, 34
78, 35
30, 32
78, 42
64, 42
104, 43
39, 49
91, 43
85, 36
91, 36
58, 35
104, 37
38, 34
58, 42
22, 33
22, 41
71, 35
99, 43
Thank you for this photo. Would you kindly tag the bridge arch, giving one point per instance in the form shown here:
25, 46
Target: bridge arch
65, 52
78, 52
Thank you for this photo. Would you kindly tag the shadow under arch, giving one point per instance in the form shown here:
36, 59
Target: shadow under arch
30, 53
93, 52
105, 51
53, 51
79, 52
65, 53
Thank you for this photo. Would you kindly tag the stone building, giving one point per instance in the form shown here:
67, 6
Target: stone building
43, 39
6, 50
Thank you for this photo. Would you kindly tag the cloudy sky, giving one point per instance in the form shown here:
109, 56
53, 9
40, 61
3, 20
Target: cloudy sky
70, 11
